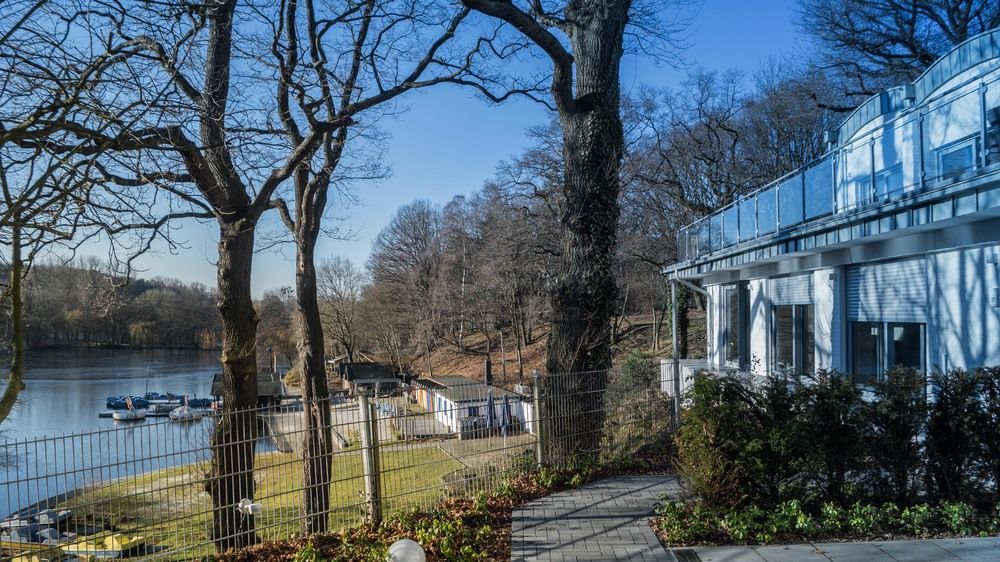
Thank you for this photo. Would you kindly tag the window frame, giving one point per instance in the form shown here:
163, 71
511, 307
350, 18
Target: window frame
884, 352
799, 344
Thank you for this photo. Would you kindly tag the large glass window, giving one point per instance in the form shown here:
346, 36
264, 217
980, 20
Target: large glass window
866, 351
956, 159
737, 325
906, 346
879, 346
794, 338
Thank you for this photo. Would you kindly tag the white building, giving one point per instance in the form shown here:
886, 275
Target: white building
456, 400
884, 252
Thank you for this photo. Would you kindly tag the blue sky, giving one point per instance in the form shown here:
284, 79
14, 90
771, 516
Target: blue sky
448, 142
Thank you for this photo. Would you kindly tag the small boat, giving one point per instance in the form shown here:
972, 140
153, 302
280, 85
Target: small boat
105, 545
185, 413
122, 402
128, 415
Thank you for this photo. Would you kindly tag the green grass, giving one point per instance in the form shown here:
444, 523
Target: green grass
170, 508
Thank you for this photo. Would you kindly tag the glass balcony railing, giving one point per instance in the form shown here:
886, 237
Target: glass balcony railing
928, 147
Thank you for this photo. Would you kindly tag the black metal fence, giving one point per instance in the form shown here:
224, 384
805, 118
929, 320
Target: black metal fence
139, 487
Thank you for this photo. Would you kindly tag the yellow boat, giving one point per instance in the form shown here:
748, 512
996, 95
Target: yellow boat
32, 552
104, 545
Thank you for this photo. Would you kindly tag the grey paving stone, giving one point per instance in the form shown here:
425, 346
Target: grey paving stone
604, 520
728, 554
791, 553
853, 552
916, 551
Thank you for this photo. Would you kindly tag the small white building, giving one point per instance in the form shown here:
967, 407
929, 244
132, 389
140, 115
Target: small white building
454, 398
884, 252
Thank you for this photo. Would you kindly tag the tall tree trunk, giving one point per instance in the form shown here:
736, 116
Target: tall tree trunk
318, 445
583, 298
235, 437
15, 380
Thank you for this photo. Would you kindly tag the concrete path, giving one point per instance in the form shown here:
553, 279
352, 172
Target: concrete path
603, 520
942, 550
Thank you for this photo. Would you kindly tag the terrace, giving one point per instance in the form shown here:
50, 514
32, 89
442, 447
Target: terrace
915, 159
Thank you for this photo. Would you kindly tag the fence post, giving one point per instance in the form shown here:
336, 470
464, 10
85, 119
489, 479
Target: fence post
537, 406
369, 455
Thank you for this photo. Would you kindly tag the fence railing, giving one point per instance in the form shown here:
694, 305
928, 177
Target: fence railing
142, 488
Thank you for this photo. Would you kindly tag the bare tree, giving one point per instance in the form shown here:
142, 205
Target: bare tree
874, 44
586, 96
341, 286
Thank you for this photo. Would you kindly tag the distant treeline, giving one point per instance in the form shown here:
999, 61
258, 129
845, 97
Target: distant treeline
83, 304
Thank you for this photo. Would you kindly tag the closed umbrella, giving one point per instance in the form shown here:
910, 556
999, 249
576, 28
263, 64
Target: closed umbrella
505, 416
490, 417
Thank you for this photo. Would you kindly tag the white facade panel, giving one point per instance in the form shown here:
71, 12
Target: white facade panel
827, 319
964, 330
888, 292
759, 327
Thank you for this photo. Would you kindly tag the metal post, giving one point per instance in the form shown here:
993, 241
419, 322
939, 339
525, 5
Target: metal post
369, 455
675, 344
537, 406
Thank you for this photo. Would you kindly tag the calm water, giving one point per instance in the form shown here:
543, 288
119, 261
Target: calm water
65, 392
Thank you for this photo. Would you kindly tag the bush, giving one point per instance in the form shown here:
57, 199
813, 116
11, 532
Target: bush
953, 443
718, 445
988, 380
832, 424
897, 419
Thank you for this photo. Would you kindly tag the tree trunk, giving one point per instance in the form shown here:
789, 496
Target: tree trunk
682, 322
15, 380
231, 477
584, 295
318, 446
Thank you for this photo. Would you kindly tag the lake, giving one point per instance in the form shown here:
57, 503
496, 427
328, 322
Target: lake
54, 442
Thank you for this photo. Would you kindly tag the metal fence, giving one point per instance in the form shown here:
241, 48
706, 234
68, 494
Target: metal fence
141, 488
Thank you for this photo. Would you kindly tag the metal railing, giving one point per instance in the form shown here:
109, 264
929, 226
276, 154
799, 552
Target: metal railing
952, 137
141, 488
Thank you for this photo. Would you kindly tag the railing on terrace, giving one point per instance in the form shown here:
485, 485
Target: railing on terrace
92, 493
953, 137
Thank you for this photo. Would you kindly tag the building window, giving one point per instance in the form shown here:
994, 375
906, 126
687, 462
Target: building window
794, 339
956, 158
879, 346
737, 325
889, 182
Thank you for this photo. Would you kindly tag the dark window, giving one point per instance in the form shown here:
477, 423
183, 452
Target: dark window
737, 319
794, 338
906, 347
957, 158
879, 346
866, 349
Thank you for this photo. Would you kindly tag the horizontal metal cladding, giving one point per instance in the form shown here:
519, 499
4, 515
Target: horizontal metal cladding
893, 291
795, 289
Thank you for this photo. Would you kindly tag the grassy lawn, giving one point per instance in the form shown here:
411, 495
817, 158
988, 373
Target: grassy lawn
171, 509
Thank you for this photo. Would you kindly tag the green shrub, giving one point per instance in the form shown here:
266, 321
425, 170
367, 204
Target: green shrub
832, 422
957, 517
897, 418
918, 520
719, 443
988, 380
953, 444
832, 518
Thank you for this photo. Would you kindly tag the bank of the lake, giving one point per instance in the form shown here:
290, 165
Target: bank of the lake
54, 428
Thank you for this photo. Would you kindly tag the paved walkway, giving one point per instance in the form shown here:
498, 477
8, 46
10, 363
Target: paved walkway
603, 520
943, 550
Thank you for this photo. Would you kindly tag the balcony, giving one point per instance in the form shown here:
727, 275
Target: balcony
916, 154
